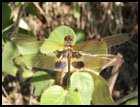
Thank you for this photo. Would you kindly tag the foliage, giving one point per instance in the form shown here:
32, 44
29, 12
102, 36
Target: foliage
132, 102
77, 9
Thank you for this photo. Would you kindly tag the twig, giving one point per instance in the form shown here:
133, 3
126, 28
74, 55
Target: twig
41, 11
7, 28
18, 18
127, 97
5, 93
31, 94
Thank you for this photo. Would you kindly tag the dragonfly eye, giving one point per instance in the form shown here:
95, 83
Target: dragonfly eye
68, 38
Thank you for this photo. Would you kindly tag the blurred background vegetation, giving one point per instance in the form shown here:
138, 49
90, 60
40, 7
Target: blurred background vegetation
90, 20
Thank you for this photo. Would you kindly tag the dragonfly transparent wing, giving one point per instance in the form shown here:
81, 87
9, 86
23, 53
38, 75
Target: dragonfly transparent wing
99, 47
116, 39
26, 44
50, 46
32, 45
37, 61
42, 61
96, 62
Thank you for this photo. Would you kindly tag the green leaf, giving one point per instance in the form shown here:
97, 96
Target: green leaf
17, 3
56, 39
6, 14
56, 95
72, 98
27, 73
80, 36
53, 96
84, 83
9, 52
77, 9
31, 9
58, 34
132, 102
41, 81
101, 94
6, 19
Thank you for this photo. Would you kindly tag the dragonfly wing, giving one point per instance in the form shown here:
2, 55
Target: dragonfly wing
26, 44
50, 46
116, 39
96, 62
100, 47
37, 61
92, 46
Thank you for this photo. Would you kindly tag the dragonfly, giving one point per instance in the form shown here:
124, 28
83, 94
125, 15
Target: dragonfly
89, 55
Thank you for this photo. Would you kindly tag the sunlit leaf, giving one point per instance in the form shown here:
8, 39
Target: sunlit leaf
27, 73
72, 98
53, 96
58, 34
83, 82
8, 53
56, 95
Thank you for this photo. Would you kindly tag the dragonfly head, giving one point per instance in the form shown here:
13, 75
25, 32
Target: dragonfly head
68, 41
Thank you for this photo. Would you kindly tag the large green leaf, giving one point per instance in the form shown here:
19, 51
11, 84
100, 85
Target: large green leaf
8, 53
72, 98
56, 95
56, 39
59, 34
53, 96
41, 81
101, 94
83, 82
